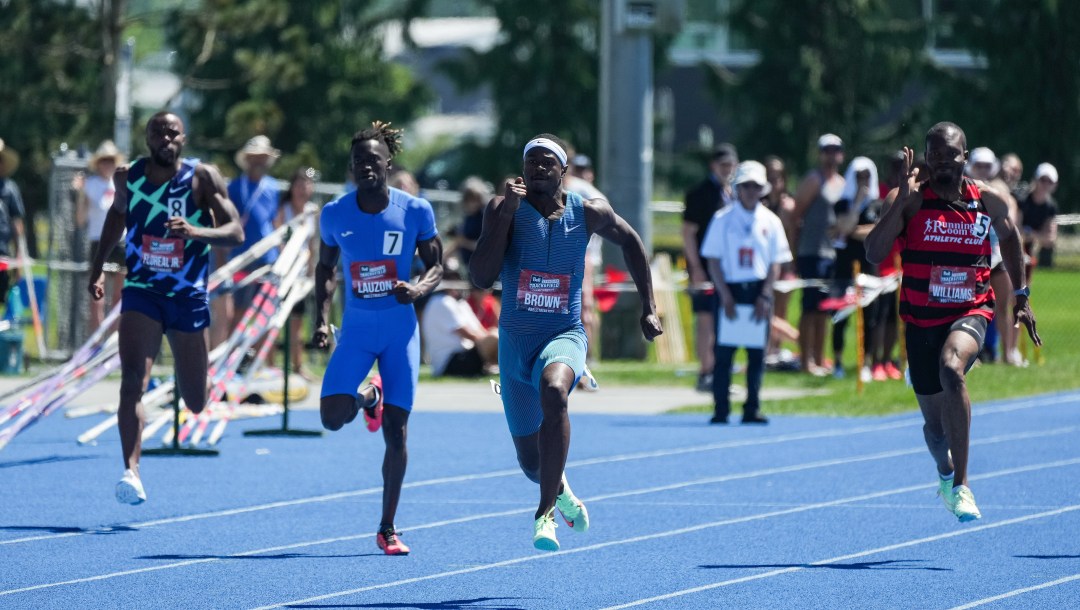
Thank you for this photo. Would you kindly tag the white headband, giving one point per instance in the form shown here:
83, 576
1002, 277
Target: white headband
547, 144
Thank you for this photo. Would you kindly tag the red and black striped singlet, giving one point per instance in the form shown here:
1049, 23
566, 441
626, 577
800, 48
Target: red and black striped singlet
946, 260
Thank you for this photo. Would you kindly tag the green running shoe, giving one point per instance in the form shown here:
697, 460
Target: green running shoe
544, 532
963, 504
572, 509
946, 492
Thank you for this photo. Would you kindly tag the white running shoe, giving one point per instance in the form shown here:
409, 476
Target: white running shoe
130, 490
963, 504
587, 381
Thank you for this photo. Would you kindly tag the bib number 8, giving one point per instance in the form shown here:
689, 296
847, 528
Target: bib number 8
176, 208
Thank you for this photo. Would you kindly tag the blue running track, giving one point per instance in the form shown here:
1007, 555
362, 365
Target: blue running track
807, 512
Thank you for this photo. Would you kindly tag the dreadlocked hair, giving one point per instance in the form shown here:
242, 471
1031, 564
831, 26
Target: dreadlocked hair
381, 132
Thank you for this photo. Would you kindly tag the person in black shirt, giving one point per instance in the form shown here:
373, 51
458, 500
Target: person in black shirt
702, 201
1038, 211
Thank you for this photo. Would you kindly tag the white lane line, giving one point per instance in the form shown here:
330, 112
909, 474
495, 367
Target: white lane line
820, 434
1015, 592
858, 555
687, 530
598, 498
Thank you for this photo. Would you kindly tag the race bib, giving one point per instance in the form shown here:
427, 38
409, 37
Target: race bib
163, 254
543, 292
952, 285
373, 279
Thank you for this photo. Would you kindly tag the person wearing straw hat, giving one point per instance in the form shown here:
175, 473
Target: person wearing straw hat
744, 246
256, 196
173, 209
11, 212
96, 193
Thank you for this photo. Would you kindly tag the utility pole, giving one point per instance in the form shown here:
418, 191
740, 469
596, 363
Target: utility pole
122, 123
626, 140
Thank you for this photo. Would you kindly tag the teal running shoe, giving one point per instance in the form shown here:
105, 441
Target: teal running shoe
572, 509
544, 532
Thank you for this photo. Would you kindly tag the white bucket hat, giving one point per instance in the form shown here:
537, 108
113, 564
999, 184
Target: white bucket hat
259, 145
752, 171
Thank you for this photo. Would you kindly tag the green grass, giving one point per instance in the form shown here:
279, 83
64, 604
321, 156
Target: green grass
1058, 324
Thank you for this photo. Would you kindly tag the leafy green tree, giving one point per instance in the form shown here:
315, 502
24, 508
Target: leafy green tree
543, 74
840, 66
50, 86
1027, 99
306, 74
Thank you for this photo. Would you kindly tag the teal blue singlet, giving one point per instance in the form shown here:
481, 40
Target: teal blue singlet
540, 323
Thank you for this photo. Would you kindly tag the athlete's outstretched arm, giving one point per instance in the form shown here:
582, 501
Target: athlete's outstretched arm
210, 194
1012, 254
111, 233
431, 253
487, 260
601, 219
325, 284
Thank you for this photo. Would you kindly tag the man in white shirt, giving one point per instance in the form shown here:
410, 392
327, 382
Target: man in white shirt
456, 343
744, 247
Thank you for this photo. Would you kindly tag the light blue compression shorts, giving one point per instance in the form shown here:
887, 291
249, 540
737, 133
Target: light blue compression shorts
390, 336
522, 359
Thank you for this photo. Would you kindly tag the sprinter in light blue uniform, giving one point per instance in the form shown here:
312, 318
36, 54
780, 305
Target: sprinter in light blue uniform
374, 232
534, 239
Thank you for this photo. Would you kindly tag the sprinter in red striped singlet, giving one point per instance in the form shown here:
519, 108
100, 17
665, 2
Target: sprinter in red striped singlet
943, 223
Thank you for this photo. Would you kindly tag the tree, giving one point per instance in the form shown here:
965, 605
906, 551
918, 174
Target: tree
1027, 99
543, 75
840, 66
306, 74
52, 84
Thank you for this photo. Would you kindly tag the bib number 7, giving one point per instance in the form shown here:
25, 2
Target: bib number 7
392, 242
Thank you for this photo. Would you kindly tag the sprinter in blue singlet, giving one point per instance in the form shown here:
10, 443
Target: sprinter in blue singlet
174, 209
374, 231
534, 239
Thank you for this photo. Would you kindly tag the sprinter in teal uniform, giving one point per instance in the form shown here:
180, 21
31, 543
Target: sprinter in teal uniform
174, 209
534, 239
375, 230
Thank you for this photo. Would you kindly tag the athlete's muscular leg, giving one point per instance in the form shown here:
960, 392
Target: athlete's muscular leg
139, 342
528, 455
192, 361
337, 410
960, 348
931, 407
395, 427
556, 381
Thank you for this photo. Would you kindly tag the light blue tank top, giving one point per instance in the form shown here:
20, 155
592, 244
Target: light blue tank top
542, 270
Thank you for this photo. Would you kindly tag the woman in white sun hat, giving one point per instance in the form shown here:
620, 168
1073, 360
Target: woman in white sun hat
95, 197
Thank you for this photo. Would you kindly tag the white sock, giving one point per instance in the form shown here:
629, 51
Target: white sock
946, 477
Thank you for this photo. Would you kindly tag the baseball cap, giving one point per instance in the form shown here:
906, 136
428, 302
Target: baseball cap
752, 171
581, 161
829, 139
983, 154
1045, 170
725, 150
